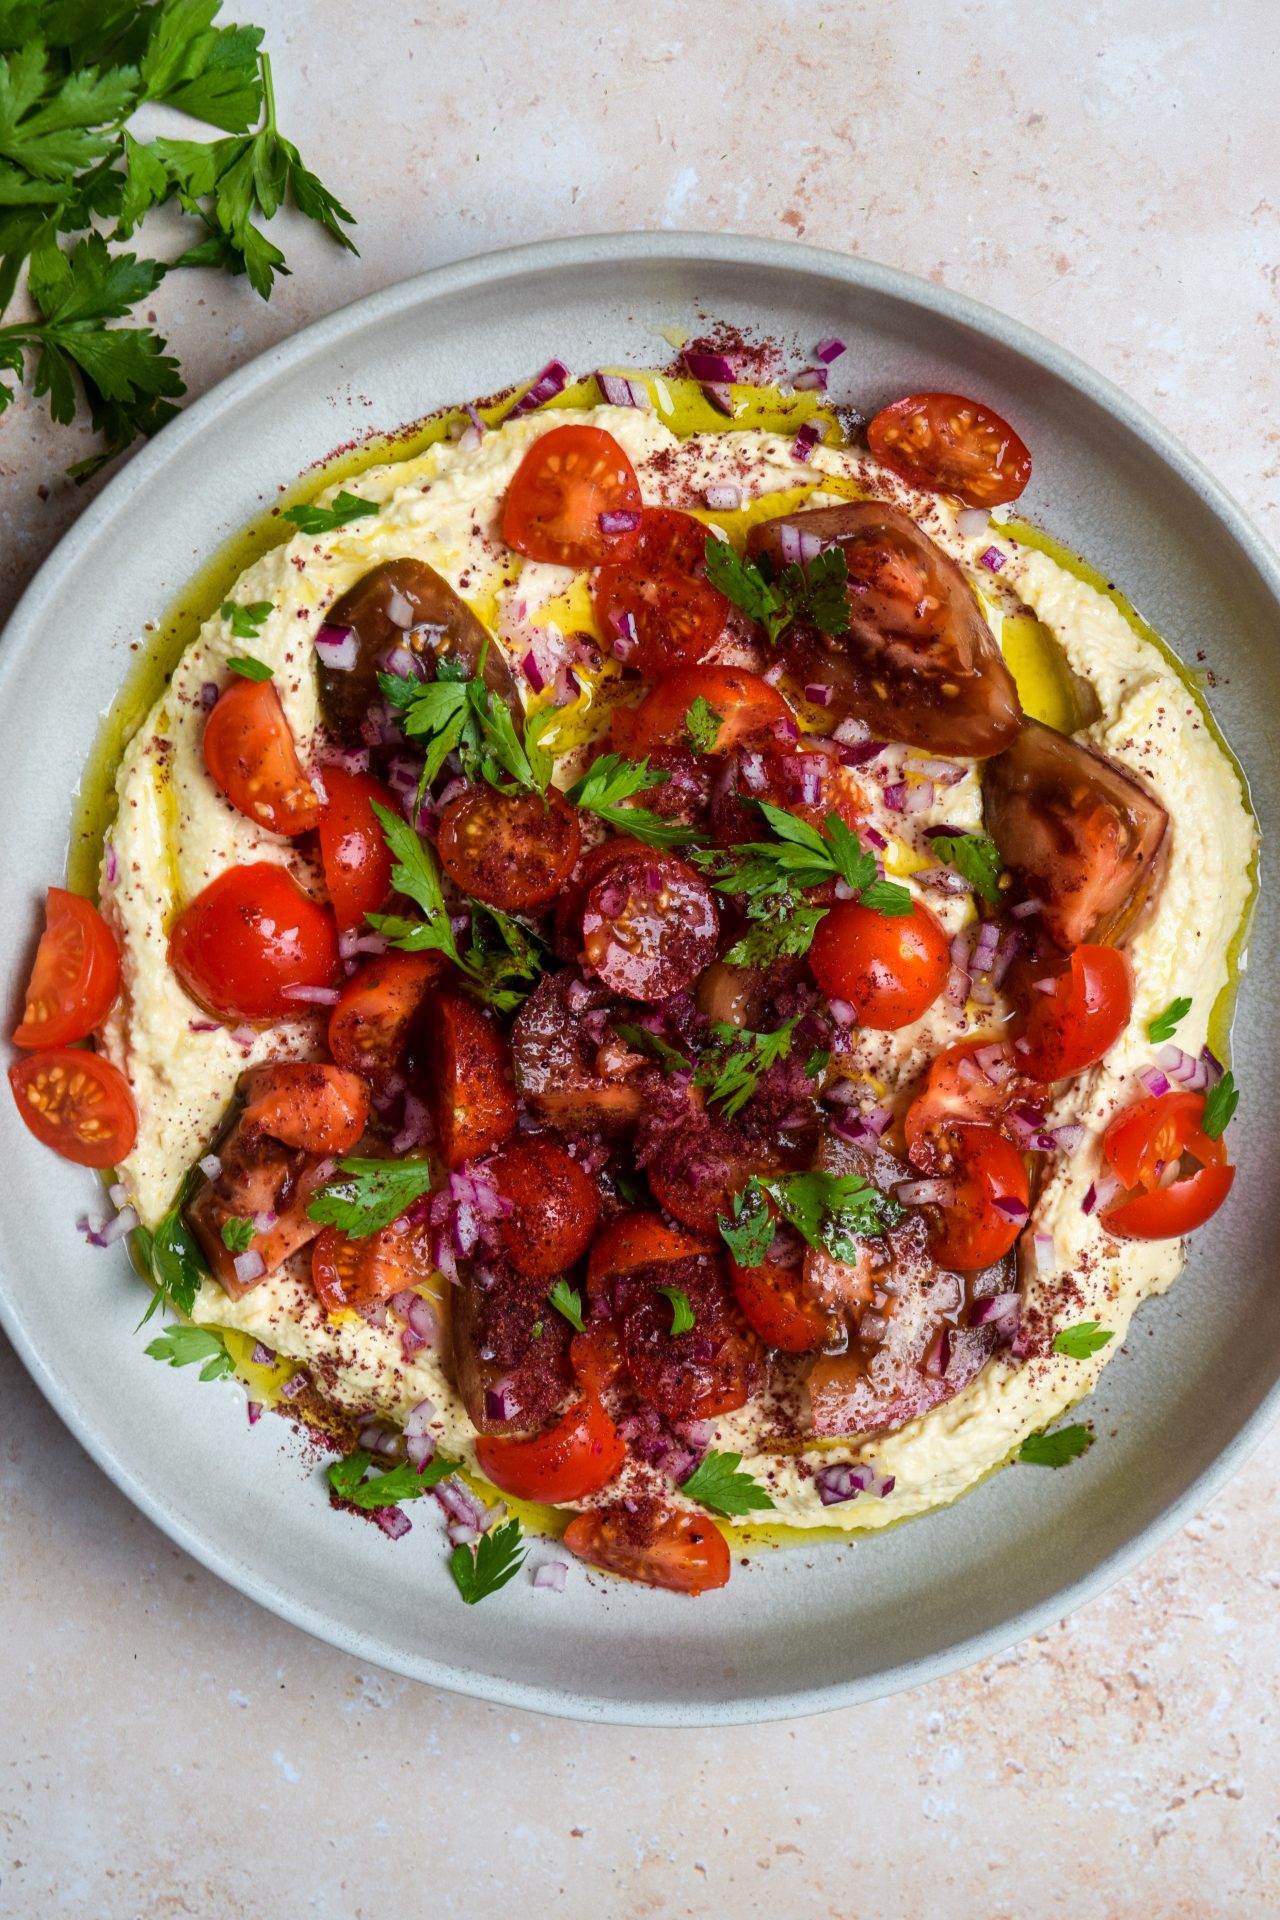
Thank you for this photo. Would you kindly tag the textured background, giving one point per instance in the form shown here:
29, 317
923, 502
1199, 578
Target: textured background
1107, 172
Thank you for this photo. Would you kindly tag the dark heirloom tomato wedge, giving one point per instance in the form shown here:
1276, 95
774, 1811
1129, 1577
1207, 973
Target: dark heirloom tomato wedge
1070, 1027
1080, 832
509, 1350
658, 611
513, 851
562, 1066
357, 1273
402, 603
248, 936
77, 1103
948, 444
1141, 1145
251, 756
353, 847
649, 926
576, 1457
749, 713
369, 1027
684, 1552
258, 1178
307, 1104
465, 1075
76, 975
889, 967
918, 662
565, 489
983, 1194
554, 1208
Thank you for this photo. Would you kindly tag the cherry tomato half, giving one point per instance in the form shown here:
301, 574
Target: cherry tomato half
649, 925
467, 1083
637, 1240
357, 1273
749, 712
249, 935
307, 1104
512, 850
684, 1553
77, 1103
890, 968
951, 445
960, 1089
775, 1305
570, 479
554, 1207
353, 847
576, 1456
970, 1228
250, 753
370, 1024
1071, 1027
76, 975
1141, 1143
658, 611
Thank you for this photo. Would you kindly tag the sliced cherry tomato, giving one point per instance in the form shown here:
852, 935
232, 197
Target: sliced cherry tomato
890, 968
247, 937
77, 1103
1087, 1011
369, 1026
980, 1169
574, 1458
566, 1076
775, 1305
948, 444
76, 976
467, 1082
307, 1104
512, 850
960, 1087
357, 1273
569, 481
649, 925
1141, 1144
749, 713
595, 1355
680, 1551
554, 1208
659, 611
803, 781
637, 1240
250, 753
353, 847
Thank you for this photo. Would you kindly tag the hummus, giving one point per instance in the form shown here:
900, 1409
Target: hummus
174, 832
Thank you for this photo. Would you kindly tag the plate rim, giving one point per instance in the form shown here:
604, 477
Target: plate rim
467, 274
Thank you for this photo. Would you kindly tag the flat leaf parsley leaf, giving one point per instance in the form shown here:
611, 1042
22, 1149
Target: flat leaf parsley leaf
1055, 1449
817, 592
749, 1233
401, 1482
702, 724
237, 1235
369, 1195
172, 1255
460, 713
498, 1557
717, 1483
1080, 1341
248, 668
683, 1317
1220, 1103
568, 1301
973, 856
832, 1211
669, 1058
193, 1346
1165, 1024
346, 507
732, 1068
246, 621
609, 783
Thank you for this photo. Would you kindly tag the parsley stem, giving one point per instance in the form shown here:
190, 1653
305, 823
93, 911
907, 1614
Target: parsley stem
268, 93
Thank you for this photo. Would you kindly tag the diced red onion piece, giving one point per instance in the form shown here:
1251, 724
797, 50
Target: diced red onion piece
1213, 1066
1001, 1309
995, 1062
419, 1447
971, 521
296, 1383
919, 797
818, 695
1005, 956
962, 948
942, 880
337, 648
254, 1410
551, 381
1043, 1247
311, 996
938, 1358
956, 991
983, 992
895, 796
202, 1026
723, 498
210, 1166
530, 668
719, 395
551, 1575
477, 419
622, 520
262, 1356
1024, 909
620, 392
394, 1521
1155, 1082
945, 772
1068, 1136
805, 441
249, 1266
715, 368
992, 559
209, 695
828, 350
843, 1481
1045, 986
1010, 1206
110, 866
624, 639
399, 610
925, 1193
843, 1012
118, 1194
812, 380
874, 838
984, 951
1101, 1193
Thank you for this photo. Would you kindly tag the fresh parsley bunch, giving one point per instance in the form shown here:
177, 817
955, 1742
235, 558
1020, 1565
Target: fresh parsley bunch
72, 75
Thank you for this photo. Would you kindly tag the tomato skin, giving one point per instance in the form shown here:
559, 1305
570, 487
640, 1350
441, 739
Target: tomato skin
567, 479
752, 713
686, 1553
775, 1306
246, 936
890, 969
250, 754
637, 1240
76, 975
948, 444
1170, 1212
77, 1103
649, 925
554, 1207
659, 612
1140, 1143
1072, 1027
595, 1355
307, 1104
467, 1083
957, 1090
356, 1273
576, 1456
971, 1230
357, 859
369, 1026
513, 851
803, 781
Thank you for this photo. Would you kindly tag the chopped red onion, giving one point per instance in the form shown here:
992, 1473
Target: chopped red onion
399, 610
376, 1437
249, 1266
1043, 1246
1024, 909
1155, 1082
621, 392
925, 1193
874, 838
351, 943
774, 672
262, 1356
1068, 1136
1101, 1193
462, 1534
862, 1129
111, 1230
337, 648
983, 992
394, 1521
1001, 1310
419, 1447
532, 671
715, 368
971, 521
851, 733
209, 695
420, 1415
843, 1481
624, 639
812, 380
723, 498
805, 441
938, 1357
962, 948
945, 772
1006, 953
264, 1221
719, 395
210, 1166
621, 520
818, 695
499, 1403
1186, 1070
995, 1062
118, 1194
828, 350
110, 865
942, 880
254, 1410
460, 1503
416, 1128
551, 1575
202, 1026
798, 547
1045, 986
843, 1012
477, 420
296, 1383
753, 772
551, 381
992, 559
984, 951
1010, 1206
312, 996
956, 991
895, 796
1213, 1066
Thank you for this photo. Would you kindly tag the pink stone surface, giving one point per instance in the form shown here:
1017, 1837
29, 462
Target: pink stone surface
1106, 172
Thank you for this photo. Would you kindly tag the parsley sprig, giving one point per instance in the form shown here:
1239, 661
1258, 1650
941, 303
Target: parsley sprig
973, 856
1055, 1449
568, 1301
717, 1483
498, 1557
817, 593
683, 1318
1220, 1104
832, 1211
370, 1194
245, 622
401, 1482
459, 713
1166, 1024
185, 1346
702, 725
1080, 1341
732, 1066
610, 782
172, 1256
344, 508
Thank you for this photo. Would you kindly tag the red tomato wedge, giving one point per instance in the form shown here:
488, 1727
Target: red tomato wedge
637, 1240
513, 851
76, 975
554, 1207
77, 1103
573, 1458
358, 1273
983, 1200
948, 444
307, 1104
369, 1027
682, 1551
247, 937
961, 1087
749, 713
357, 859
467, 1080
250, 753
890, 968
775, 1305
657, 611
1072, 1026
1141, 1144
565, 491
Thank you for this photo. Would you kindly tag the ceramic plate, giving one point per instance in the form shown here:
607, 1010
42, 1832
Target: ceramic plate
799, 1629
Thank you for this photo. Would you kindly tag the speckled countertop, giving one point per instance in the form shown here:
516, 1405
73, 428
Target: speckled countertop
1107, 173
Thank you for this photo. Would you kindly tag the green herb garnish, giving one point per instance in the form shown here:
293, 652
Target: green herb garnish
1220, 1103
247, 621
497, 1558
248, 668
237, 1235
682, 1314
568, 1301
369, 1195
194, 1346
611, 781
172, 1255
818, 592
1080, 1341
669, 1058
1164, 1024
717, 1483
973, 856
389, 1489
832, 1211
346, 507
732, 1068
702, 725
817, 1063
1055, 1449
